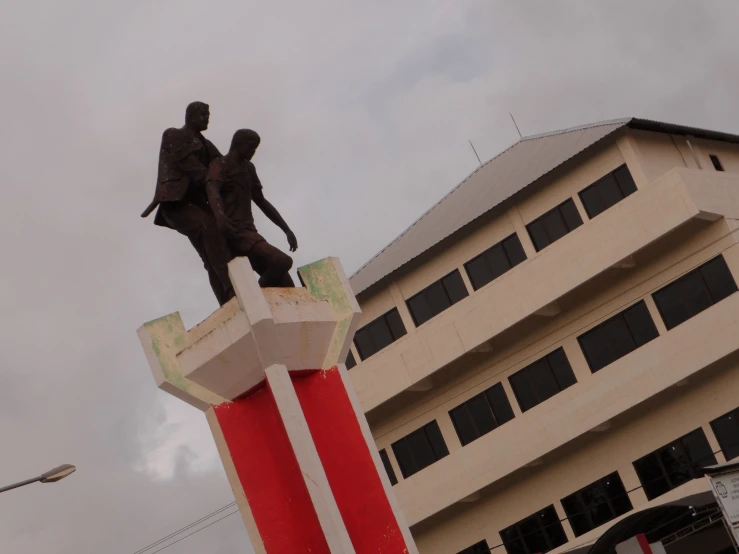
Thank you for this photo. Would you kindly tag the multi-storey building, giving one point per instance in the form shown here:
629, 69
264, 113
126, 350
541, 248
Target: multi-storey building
553, 347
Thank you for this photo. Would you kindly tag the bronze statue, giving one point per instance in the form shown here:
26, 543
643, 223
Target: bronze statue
184, 158
232, 185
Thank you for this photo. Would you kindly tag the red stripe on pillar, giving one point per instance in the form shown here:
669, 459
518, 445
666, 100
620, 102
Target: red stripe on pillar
644, 544
349, 467
270, 475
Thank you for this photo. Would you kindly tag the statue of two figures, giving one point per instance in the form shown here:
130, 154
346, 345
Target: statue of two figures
208, 198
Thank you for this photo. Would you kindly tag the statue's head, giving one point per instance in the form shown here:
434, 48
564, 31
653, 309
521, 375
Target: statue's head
197, 116
245, 143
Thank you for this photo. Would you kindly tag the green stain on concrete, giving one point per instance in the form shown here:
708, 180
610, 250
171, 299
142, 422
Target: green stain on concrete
322, 281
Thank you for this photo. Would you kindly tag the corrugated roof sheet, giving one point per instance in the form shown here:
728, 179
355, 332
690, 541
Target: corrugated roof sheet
492, 183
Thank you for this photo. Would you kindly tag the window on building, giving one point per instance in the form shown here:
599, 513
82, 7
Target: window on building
674, 464
607, 191
716, 162
495, 261
379, 333
543, 379
437, 297
477, 548
694, 292
726, 429
350, 361
554, 224
388, 467
481, 414
618, 336
537, 533
596, 504
420, 449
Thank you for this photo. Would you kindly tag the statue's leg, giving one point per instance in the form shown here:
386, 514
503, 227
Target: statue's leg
272, 265
199, 226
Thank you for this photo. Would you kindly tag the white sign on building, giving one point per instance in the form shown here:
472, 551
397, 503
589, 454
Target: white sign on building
726, 490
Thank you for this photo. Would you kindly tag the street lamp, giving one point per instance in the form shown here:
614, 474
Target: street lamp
51, 476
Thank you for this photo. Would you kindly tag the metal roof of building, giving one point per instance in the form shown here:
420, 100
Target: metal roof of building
497, 180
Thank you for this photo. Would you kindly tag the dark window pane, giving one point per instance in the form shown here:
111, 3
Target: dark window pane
671, 307
610, 192
477, 548
364, 344
625, 180
542, 380
591, 200
454, 286
698, 450
524, 393
437, 441
497, 261
641, 324
694, 293
499, 401
617, 494
420, 446
463, 424
388, 467
596, 504
651, 475
514, 250
571, 215
420, 309
719, 279
405, 458
437, 298
395, 323
554, 225
618, 337
482, 414
596, 350
674, 464
478, 272
716, 162
538, 234
561, 367
350, 361
380, 333
726, 429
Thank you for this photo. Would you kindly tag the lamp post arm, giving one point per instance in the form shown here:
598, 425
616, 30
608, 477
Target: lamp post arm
21, 484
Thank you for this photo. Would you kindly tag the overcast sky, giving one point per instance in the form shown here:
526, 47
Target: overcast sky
365, 109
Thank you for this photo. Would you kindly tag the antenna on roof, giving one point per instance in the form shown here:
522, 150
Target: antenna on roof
475, 151
516, 124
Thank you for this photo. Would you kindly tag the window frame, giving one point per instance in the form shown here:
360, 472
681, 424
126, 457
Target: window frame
521, 536
384, 318
734, 446
492, 410
529, 382
665, 475
446, 292
611, 174
684, 278
607, 322
404, 442
502, 245
558, 209
578, 495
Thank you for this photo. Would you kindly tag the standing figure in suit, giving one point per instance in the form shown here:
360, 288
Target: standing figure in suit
232, 186
184, 158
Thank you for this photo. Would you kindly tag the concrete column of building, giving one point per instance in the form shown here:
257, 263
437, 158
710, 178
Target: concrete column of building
267, 369
634, 160
639, 545
405, 313
713, 442
523, 235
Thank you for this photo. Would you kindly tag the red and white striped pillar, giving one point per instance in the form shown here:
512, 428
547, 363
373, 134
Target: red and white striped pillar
268, 370
639, 545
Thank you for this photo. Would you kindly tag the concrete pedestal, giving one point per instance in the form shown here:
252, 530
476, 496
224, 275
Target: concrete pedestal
268, 370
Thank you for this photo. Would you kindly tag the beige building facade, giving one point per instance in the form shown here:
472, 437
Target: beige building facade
554, 346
